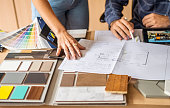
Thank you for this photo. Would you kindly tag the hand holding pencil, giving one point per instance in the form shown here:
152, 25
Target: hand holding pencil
122, 29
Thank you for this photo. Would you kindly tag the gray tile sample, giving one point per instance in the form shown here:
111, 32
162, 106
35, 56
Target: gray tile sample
13, 78
36, 78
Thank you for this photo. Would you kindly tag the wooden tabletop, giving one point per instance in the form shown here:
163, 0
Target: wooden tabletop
134, 98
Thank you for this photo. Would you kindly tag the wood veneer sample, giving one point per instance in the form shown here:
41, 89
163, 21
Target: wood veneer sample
35, 67
117, 84
68, 80
36, 78
35, 93
46, 66
90, 79
1, 76
13, 78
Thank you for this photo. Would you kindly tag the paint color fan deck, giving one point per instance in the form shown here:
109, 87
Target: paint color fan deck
32, 37
25, 81
25, 38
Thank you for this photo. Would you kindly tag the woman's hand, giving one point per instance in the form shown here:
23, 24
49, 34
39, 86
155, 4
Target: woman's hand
70, 46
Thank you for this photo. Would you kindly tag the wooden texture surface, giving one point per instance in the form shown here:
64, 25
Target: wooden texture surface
67, 80
8, 20
89, 79
23, 12
35, 93
117, 84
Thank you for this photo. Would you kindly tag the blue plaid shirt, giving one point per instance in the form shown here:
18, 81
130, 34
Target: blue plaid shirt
113, 10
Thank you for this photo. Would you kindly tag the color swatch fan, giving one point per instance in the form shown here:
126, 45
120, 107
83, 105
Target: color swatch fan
25, 38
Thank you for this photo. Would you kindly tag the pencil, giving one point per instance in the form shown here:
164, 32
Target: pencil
131, 34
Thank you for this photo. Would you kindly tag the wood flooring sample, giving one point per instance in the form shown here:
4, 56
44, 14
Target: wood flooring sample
35, 93
68, 80
117, 84
89, 79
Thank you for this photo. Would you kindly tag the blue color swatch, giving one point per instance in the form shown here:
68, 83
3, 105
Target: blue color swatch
19, 92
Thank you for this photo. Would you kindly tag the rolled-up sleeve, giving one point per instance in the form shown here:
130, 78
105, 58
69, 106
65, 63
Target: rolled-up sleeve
113, 9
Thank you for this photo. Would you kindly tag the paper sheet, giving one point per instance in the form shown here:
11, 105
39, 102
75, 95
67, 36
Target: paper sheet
136, 59
149, 62
109, 37
99, 57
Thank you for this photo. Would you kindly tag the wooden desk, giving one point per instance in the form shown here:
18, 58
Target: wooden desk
134, 98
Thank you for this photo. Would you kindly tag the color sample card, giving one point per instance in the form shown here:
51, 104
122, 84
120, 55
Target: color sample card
68, 80
13, 78
89, 79
36, 78
9, 65
5, 91
35, 67
35, 93
85, 89
19, 92
25, 80
46, 66
25, 38
25, 66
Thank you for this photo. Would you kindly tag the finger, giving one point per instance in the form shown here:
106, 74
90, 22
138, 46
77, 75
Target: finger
127, 24
77, 49
116, 34
81, 47
132, 25
70, 47
155, 26
123, 27
150, 24
147, 17
74, 42
58, 51
66, 52
147, 21
121, 32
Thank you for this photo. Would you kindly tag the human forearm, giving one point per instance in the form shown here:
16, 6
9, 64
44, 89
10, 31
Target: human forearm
65, 41
113, 10
48, 15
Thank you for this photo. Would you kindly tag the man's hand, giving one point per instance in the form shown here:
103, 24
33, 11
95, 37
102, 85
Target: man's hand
120, 28
156, 21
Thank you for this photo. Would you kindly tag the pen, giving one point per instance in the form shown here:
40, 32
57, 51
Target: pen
131, 34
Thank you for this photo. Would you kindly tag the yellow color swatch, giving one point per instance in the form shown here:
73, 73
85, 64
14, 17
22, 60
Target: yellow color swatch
5, 91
